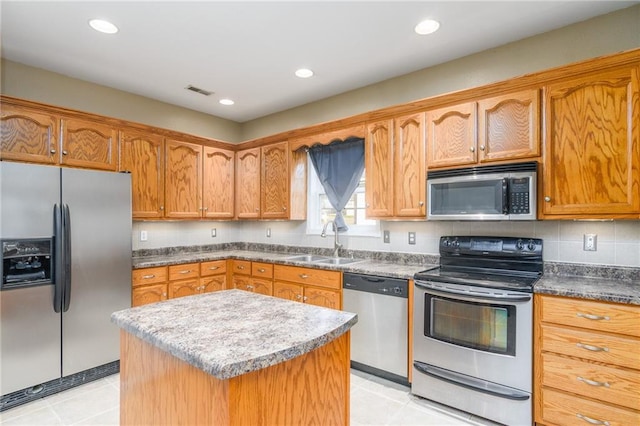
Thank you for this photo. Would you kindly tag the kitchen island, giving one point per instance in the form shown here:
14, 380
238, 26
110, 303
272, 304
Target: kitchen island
233, 358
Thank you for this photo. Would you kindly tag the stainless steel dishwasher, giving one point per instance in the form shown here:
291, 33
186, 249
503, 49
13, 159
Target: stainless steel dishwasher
379, 341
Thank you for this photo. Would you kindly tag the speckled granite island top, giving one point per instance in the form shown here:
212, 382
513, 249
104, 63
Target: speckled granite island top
233, 332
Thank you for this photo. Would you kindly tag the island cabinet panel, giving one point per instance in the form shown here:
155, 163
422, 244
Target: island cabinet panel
451, 136
378, 154
89, 144
248, 183
183, 177
218, 183
275, 181
508, 126
149, 285
586, 362
158, 388
409, 167
143, 156
28, 135
592, 146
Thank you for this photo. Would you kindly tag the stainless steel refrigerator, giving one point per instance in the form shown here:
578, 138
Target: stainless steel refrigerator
56, 333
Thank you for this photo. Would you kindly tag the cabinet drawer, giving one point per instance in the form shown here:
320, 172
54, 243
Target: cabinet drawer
149, 276
562, 409
316, 277
213, 267
262, 270
592, 345
600, 316
614, 385
241, 267
182, 272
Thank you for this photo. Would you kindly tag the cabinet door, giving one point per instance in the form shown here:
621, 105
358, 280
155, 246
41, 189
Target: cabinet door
218, 182
27, 135
143, 156
409, 174
248, 184
184, 288
321, 297
592, 146
288, 291
89, 144
451, 136
275, 181
262, 286
148, 294
183, 176
213, 283
242, 282
508, 126
378, 155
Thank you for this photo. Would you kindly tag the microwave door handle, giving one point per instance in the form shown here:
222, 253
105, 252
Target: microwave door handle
505, 196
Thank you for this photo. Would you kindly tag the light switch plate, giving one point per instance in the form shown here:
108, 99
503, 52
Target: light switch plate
143, 235
412, 237
214, 232
386, 237
268, 232
590, 242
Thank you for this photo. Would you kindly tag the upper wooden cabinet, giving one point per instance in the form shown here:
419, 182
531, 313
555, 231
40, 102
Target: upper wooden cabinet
499, 128
28, 135
143, 156
395, 167
218, 183
248, 183
275, 181
592, 146
34, 136
183, 186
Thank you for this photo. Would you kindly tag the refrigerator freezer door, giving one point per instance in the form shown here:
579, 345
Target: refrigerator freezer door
100, 232
29, 327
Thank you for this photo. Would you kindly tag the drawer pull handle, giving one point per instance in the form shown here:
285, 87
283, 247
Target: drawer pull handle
148, 277
213, 268
240, 267
593, 317
304, 276
186, 271
592, 382
261, 270
592, 348
592, 421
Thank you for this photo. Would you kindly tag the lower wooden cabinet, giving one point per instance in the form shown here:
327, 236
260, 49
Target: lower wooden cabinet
307, 285
587, 362
256, 277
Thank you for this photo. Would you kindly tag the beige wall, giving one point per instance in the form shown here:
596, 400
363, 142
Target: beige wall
614, 32
39, 85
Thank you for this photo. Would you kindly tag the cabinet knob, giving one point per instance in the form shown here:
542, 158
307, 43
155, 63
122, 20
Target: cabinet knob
161, 207
205, 209
257, 209
164, 294
53, 151
261, 270
284, 209
421, 203
64, 152
249, 287
472, 149
304, 299
481, 147
240, 267
299, 297
547, 199
367, 205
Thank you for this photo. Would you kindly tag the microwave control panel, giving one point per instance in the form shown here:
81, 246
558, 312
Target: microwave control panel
519, 194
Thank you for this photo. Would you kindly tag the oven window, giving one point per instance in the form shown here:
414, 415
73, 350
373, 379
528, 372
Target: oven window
479, 196
482, 326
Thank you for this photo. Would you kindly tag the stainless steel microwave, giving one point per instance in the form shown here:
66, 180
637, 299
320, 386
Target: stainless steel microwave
499, 192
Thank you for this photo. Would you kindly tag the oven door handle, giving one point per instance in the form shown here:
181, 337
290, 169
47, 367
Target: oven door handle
472, 383
464, 295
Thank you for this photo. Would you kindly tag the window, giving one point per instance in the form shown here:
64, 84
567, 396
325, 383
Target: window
319, 210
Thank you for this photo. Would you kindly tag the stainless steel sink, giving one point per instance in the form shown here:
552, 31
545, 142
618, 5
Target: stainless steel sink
338, 261
307, 258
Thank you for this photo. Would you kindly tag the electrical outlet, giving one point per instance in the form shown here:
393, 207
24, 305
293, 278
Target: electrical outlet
590, 242
143, 235
412, 237
386, 237
268, 232
214, 233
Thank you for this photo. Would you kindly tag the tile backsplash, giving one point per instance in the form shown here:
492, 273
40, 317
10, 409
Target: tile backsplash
618, 241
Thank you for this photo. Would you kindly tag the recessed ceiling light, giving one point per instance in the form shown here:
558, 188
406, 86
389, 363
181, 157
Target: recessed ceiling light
427, 26
103, 26
304, 73
226, 101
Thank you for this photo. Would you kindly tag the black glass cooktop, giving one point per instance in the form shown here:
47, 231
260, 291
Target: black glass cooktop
504, 279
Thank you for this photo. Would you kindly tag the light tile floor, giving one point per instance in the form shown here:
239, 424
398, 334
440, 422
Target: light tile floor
374, 401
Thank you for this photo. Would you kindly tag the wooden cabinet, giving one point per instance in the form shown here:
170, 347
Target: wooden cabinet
143, 156
213, 276
395, 158
256, 277
314, 286
247, 194
587, 362
218, 183
88, 144
592, 146
149, 285
274, 181
499, 128
183, 180
28, 135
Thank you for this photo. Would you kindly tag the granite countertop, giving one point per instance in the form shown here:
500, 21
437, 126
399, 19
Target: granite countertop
593, 288
209, 331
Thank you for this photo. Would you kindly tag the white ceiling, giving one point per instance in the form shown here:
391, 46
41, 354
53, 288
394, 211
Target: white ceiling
248, 51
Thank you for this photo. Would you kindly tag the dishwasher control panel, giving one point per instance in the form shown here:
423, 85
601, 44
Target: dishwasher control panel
374, 284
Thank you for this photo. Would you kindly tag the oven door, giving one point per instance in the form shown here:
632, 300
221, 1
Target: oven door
474, 331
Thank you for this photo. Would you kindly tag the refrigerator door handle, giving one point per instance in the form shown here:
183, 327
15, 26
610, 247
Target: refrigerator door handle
67, 258
59, 258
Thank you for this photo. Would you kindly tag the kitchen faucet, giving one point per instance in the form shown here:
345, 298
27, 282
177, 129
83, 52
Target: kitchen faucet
336, 243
